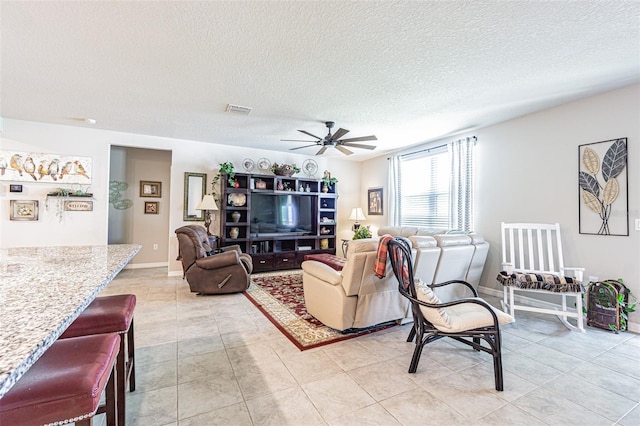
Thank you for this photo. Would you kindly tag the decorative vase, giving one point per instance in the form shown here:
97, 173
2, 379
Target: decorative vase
235, 216
325, 188
324, 243
234, 232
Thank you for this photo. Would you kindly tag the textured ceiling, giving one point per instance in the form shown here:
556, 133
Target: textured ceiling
405, 71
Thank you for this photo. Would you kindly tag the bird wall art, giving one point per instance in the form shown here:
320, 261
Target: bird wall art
39, 167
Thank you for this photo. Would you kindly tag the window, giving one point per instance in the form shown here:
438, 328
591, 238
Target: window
434, 187
424, 188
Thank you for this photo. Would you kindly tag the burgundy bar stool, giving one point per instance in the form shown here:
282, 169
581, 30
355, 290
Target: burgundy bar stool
65, 384
112, 314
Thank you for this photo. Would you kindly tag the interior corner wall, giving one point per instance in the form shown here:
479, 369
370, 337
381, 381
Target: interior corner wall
374, 175
119, 219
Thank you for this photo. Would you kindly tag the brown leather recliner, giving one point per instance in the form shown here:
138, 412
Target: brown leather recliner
225, 272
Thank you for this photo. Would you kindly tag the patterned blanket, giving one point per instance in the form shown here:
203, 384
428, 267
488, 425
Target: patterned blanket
380, 265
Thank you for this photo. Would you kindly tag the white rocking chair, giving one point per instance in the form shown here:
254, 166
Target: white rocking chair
532, 261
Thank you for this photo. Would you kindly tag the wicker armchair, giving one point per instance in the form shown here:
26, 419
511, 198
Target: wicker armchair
467, 320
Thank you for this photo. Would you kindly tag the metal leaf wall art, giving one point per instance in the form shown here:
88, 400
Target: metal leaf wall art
601, 184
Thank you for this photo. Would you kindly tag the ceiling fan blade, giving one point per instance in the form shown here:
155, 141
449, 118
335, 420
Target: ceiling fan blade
339, 133
361, 139
322, 150
295, 140
343, 150
300, 147
355, 145
310, 134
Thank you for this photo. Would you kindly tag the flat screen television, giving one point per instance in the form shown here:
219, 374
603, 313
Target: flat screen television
274, 215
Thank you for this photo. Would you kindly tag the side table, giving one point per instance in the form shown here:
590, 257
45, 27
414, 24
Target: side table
345, 245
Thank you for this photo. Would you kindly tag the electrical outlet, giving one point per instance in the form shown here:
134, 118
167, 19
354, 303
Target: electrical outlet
637, 224
593, 278
155, 247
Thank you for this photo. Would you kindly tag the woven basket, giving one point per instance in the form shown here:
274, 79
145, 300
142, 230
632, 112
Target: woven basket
284, 170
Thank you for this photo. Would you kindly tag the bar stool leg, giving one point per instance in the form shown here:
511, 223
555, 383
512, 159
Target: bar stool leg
131, 365
121, 382
112, 399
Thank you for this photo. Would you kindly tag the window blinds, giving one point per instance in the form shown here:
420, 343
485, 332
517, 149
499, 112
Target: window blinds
424, 187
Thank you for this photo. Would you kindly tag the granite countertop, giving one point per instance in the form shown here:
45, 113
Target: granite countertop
42, 290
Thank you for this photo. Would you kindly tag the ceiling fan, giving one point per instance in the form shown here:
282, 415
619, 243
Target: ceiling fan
334, 141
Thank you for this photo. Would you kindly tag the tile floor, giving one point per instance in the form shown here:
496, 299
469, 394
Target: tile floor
217, 360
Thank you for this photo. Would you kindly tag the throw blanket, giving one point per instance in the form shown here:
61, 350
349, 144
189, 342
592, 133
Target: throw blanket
380, 265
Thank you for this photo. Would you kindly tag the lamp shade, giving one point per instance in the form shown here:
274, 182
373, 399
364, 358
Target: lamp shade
207, 203
357, 214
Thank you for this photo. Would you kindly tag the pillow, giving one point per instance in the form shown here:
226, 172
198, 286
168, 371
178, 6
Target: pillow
436, 316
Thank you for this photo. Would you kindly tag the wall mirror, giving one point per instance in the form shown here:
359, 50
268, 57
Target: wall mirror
194, 189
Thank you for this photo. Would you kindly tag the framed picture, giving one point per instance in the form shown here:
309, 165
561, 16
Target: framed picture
24, 210
603, 188
150, 189
51, 168
15, 188
375, 201
150, 207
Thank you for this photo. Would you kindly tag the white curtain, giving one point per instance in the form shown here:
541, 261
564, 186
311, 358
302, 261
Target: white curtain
462, 163
394, 191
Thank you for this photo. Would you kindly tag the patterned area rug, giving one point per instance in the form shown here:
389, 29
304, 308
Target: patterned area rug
279, 296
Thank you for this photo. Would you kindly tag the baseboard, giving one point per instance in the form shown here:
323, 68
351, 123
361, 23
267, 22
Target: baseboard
146, 265
524, 300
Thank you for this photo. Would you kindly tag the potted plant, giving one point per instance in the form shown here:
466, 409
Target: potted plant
362, 232
284, 169
226, 168
327, 181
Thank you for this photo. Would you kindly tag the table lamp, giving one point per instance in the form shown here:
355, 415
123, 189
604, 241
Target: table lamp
208, 204
357, 214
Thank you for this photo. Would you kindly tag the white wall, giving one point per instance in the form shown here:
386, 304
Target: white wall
527, 170
187, 156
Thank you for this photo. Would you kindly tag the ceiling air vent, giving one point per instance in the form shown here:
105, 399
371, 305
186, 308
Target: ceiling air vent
238, 109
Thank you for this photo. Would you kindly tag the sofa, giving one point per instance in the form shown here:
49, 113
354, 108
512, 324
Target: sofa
208, 272
462, 255
355, 298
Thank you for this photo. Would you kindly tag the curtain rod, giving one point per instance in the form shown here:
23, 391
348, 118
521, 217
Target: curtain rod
430, 149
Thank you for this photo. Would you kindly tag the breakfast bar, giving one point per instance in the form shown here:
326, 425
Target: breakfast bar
42, 291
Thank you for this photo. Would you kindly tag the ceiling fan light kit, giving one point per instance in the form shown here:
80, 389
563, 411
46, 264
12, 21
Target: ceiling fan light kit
334, 140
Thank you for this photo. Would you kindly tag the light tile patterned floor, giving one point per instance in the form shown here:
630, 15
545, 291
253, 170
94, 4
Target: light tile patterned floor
217, 360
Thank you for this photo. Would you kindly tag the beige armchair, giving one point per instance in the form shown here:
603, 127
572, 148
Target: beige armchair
353, 297
206, 272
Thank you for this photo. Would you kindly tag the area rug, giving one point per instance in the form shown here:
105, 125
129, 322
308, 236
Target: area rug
279, 296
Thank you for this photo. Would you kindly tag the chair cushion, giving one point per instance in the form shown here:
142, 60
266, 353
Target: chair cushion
549, 282
107, 314
436, 316
456, 318
469, 316
65, 383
